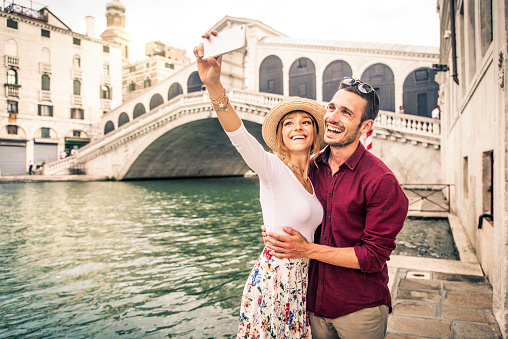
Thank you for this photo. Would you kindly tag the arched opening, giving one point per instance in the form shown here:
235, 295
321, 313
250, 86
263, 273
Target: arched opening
420, 92
302, 79
109, 127
139, 109
76, 87
105, 92
155, 101
123, 119
270, 75
194, 83
45, 82
12, 76
333, 74
174, 91
381, 78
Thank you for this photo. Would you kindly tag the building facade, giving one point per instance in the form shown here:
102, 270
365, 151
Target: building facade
473, 100
56, 84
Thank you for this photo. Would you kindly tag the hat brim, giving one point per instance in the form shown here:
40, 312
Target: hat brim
272, 119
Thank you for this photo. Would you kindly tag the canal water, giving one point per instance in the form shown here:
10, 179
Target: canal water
145, 259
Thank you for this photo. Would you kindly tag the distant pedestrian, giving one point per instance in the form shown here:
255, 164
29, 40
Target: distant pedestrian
436, 113
402, 110
63, 155
30, 167
73, 151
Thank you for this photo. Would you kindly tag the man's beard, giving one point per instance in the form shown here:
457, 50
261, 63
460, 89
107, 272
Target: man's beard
347, 139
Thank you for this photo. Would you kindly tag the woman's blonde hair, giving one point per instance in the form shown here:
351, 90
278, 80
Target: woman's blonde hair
282, 150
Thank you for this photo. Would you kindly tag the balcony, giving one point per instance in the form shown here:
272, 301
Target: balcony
44, 67
45, 95
105, 104
76, 100
12, 90
11, 61
106, 80
77, 73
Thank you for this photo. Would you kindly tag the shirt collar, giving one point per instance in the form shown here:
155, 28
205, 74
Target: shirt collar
351, 162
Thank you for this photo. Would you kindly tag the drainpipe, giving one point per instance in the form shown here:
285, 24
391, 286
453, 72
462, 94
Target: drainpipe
454, 43
482, 216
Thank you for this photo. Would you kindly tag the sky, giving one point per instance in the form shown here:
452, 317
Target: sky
180, 23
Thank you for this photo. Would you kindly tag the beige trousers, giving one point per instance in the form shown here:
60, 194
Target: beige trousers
369, 323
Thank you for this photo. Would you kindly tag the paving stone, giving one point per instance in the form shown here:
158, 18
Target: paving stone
468, 287
419, 326
415, 308
469, 330
420, 284
463, 313
472, 300
460, 277
430, 296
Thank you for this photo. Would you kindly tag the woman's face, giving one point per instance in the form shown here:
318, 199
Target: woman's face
298, 132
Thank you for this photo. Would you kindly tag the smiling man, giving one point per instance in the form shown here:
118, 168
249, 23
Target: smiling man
364, 210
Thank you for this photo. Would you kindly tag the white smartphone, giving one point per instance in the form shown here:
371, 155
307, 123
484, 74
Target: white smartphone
224, 42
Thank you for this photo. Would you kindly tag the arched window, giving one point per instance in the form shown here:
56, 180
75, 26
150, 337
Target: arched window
270, 75
139, 109
45, 82
109, 127
132, 86
46, 56
302, 79
76, 87
123, 119
147, 82
194, 83
76, 62
105, 68
11, 48
420, 92
381, 78
12, 76
333, 74
175, 90
155, 101
105, 92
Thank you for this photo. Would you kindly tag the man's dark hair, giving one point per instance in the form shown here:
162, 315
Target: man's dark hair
372, 106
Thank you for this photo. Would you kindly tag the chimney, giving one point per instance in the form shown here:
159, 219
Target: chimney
90, 26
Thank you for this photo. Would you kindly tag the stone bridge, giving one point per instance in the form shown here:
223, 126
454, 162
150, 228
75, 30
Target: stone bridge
183, 138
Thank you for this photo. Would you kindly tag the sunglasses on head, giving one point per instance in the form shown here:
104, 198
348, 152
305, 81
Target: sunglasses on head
362, 87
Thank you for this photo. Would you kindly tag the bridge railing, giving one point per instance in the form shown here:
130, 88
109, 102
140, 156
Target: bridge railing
408, 123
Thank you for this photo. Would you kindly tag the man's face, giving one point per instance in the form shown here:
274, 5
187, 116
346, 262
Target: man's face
343, 119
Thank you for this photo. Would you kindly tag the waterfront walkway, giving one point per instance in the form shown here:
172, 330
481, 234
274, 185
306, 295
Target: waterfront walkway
432, 298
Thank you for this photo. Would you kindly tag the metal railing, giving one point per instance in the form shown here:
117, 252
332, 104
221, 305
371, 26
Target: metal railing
428, 197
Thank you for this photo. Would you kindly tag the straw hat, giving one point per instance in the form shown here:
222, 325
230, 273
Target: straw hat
273, 118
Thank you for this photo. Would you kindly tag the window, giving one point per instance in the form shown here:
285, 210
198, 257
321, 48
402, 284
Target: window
76, 41
105, 68
105, 49
12, 24
12, 107
45, 82
170, 66
147, 65
147, 82
76, 134
12, 77
45, 110
421, 75
488, 182
486, 25
465, 179
45, 132
76, 87
132, 69
77, 113
12, 129
105, 92
132, 86
45, 33
76, 62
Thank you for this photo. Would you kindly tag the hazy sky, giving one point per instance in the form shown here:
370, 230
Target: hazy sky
179, 23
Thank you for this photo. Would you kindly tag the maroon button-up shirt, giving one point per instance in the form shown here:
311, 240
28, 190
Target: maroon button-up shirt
364, 208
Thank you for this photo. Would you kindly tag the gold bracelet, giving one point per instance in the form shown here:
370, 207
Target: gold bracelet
222, 107
214, 101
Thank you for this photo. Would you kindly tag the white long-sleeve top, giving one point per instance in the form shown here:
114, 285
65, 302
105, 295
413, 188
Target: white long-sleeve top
284, 201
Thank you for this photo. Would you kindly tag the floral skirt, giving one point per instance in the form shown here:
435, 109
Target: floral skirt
274, 299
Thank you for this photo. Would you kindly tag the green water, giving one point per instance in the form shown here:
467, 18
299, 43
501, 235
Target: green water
144, 259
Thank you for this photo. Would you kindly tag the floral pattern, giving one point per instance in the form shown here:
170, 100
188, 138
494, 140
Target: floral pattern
274, 299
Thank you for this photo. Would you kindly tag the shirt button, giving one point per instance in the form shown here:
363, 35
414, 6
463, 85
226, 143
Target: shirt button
326, 238
330, 195
321, 281
329, 217
329, 172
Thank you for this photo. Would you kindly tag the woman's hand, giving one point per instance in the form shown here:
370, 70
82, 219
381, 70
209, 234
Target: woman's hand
209, 69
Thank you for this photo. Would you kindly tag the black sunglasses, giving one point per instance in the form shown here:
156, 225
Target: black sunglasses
362, 87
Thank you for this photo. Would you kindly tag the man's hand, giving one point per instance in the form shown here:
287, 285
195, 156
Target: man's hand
290, 246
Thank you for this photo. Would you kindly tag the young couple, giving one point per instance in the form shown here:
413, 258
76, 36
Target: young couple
344, 206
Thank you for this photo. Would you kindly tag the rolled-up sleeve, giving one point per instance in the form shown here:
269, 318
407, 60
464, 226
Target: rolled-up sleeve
386, 210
